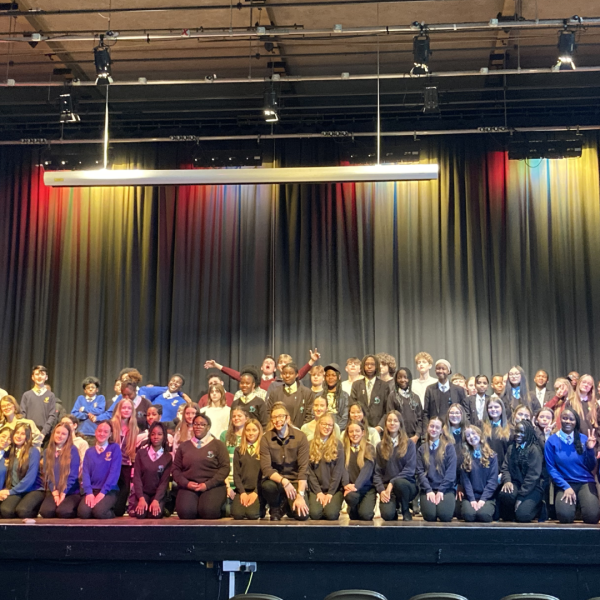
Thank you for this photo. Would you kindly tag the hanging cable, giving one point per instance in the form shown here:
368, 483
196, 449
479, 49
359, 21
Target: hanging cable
106, 131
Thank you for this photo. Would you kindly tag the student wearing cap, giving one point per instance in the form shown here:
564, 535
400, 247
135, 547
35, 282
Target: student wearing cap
251, 397
337, 399
371, 391
441, 395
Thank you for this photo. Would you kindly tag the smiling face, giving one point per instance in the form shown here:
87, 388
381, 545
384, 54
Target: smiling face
567, 421
39, 377
519, 433
586, 385
175, 384
188, 414
402, 379
4, 439
102, 433
61, 435
239, 418
454, 416
325, 426
8, 409
494, 411
442, 372
472, 437
514, 376
331, 378
355, 434
562, 389
126, 409
522, 414
356, 413
319, 407
200, 427
157, 437
392, 424
19, 436
252, 433
541, 379
481, 385
288, 374
434, 429
246, 384
279, 419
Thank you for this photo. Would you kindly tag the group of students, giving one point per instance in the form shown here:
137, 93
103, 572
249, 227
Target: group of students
377, 443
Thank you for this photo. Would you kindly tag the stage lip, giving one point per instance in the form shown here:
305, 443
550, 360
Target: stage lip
244, 176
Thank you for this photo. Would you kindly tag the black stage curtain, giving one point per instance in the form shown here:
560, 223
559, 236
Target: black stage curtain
495, 264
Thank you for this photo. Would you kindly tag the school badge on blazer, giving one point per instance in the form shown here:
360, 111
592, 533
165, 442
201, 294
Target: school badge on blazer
253, 409
46, 400
161, 469
174, 403
377, 400
210, 454
108, 456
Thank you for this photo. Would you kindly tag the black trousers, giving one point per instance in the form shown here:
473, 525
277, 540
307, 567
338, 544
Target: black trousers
484, 515
146, 514
103, 510
124, 485
528, 510
587, 501
444, 511
276, 498
253, 512
361, 504
403, 491
24, 506
67, 509
331, 512
200, 505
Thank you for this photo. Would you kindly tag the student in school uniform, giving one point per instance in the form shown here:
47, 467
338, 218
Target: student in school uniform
337, 398
21, 496
154, 415
293, 395
129, 391
542, 393
522, 489
248, 502
217, 410
517, 391
39, 403
12, 416
5, 442
60, 475
496, 427
125, 429
387, 368
477, 401
478, 477
284, 461
585, 399
407, 403
359, 493
153, 464
100, 474
352, 368
544, 425
424, 364
232, 438
183, 431
90, 403
439, 396
170, 397
394, 475
325, 472
356, 414
436, 474
520, 413
250, 397
200, 469
319, 409
371, 392
455, 426
571, 461
80, 443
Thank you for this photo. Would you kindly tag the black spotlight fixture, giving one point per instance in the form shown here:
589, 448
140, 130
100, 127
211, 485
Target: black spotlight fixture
271, 105
67, 112
421, 54
430, 100
103, 63
566, 50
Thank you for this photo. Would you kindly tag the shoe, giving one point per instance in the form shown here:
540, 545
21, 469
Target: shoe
406, 516
275, 514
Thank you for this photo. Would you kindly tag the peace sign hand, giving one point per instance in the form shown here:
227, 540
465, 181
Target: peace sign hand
591, 441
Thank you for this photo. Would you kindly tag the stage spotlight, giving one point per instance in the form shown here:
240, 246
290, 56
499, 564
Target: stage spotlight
271, 105
103, 63
566, 49
421, 53
67, 113
430, 100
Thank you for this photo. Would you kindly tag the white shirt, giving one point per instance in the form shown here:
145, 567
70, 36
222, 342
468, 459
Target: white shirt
419, 387
541, 394
219, 417
347, 385
480, 405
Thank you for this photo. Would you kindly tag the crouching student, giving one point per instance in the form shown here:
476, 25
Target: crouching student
436, 473
325, 472
359, 493
284, 461
151, 475
248, 502
200, 469
478, 477
522, 488
60, 475
395, 464
571, 460
100, 474
21, 496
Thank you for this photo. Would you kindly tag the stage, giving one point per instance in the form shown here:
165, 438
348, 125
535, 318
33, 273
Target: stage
126, 558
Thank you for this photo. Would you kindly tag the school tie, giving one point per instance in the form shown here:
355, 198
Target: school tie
369, 389
354, 448
251, 449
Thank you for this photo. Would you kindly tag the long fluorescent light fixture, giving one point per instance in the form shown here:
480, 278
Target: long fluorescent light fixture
241, 176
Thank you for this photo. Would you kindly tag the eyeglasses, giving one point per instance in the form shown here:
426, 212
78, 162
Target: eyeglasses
200, 425
278, 418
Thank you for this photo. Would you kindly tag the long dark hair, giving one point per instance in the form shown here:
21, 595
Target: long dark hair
576, 431
364, 360
165, 443
387, 445
336, 392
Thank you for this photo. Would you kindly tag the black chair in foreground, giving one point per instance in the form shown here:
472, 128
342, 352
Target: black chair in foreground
530, 597
355, 595
438, 596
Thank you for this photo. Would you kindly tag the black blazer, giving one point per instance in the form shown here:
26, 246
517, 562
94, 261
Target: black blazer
375, 409
548, 395
473, 417
436, 403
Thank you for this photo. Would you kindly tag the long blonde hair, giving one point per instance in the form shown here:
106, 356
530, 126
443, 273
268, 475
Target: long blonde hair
365, 450
131, 438
12, 400
244, 443
323, 450
64, 461
486, 451
387, 445
576, 404
231, 437
504, 431
441, 450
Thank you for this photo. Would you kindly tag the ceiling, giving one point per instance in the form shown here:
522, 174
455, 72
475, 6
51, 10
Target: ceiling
300, 45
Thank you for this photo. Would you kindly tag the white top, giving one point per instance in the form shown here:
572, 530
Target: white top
347, 385
419, 387
219, 417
